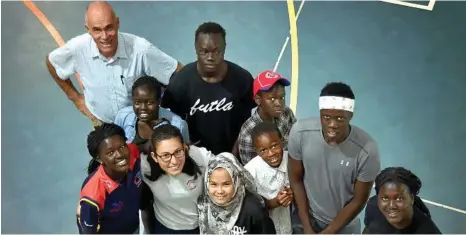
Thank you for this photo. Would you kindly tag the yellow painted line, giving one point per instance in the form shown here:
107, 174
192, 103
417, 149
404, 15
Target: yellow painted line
294, 56
287, 40
49, 26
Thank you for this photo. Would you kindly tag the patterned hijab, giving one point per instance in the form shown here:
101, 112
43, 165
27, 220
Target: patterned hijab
215, 219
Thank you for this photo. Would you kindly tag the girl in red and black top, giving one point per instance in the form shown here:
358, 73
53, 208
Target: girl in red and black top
109, 199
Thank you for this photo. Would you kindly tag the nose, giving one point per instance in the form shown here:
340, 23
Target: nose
210, 56
220, 190
269, 152
392, 204
173, 160
332, 123
118, 154
104, 34
143, 105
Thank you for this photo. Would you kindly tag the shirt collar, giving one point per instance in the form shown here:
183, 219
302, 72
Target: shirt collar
120, 53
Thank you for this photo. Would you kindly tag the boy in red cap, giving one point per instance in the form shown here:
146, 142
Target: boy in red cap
269, 95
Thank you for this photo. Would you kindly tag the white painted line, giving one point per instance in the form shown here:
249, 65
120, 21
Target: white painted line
287, 38
428, 7
444, 206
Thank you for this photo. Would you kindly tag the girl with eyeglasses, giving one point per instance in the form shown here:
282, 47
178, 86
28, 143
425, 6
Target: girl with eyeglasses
173, 173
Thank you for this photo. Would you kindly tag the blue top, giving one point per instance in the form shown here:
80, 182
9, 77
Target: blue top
126, 119
107, 206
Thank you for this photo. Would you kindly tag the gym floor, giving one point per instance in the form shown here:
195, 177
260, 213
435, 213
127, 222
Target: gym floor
406, 67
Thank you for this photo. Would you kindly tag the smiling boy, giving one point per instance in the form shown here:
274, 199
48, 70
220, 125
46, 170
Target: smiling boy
269, 169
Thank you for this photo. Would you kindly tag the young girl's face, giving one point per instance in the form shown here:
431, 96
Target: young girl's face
221, 187
170, 154
269, 146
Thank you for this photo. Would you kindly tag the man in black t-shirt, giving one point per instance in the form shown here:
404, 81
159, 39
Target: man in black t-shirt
214, 95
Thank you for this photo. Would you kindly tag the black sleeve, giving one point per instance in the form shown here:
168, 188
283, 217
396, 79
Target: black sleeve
263, 224
247, 100
371, 210
428, 227
256, 217
174, 96
147, 197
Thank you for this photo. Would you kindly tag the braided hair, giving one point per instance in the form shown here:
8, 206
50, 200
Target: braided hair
402, 176
96, 137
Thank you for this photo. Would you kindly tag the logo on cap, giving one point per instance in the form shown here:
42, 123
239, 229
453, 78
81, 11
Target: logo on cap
271, 75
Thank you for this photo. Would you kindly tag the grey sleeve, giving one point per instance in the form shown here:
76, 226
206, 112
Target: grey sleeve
294, 143
369, 164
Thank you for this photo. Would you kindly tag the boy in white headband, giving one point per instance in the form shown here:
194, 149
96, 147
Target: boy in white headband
333, 166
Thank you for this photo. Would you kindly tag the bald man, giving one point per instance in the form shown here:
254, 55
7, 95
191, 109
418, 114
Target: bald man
108, 62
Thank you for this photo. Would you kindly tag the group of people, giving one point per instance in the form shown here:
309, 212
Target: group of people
206, 148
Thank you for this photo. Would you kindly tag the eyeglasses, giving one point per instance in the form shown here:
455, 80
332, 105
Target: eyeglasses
167, 157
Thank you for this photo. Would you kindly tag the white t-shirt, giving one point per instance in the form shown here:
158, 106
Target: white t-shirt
175, 197
269, 180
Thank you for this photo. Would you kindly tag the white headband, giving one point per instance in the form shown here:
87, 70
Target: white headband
335, 102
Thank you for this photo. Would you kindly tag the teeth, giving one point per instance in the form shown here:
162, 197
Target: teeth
122, 162
105, 43
144, 115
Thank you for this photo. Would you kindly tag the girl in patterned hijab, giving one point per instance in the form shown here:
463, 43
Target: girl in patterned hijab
230, 203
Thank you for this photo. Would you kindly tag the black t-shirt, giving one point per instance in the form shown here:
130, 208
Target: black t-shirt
214, 112
376, 223
253, 218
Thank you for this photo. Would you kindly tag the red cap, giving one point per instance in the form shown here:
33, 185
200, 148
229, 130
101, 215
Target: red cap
265, 80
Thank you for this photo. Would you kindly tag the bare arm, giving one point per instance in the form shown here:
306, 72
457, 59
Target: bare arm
271, 204
70, 91
66, 85
352, 209
295, 174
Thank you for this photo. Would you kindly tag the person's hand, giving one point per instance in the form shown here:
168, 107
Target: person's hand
146, 148
288, 192
81, 106
283, 198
